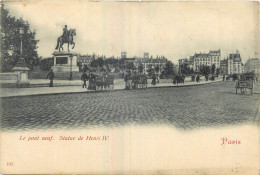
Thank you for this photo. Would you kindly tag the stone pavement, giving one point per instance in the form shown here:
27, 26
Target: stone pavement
191, 107
75, 86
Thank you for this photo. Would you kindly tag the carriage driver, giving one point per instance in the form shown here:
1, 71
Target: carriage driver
65, 33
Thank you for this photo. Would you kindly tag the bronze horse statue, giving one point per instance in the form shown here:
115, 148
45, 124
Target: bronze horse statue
61, 40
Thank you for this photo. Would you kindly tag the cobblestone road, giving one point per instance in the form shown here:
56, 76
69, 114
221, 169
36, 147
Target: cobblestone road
182, 107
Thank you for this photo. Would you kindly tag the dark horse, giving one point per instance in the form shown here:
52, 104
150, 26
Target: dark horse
61, 40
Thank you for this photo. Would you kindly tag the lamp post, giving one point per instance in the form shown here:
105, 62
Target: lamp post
71, 67
21, 31
21, 68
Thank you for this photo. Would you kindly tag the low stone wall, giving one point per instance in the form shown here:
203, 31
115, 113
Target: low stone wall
9, 80
62, 75
12, 80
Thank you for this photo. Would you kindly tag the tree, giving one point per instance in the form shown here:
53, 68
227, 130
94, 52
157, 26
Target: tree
140, 68
185, 69
157, 69
121, 64
130, 66
79, 64
205, 70
10, 43
150, 70
111, 63
218, 71
213, 68
46, 64
97, 63
85, 68
167, 70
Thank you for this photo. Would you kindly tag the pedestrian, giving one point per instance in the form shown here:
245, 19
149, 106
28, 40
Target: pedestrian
158, 78
183, 78
223, 77
154, 79
193, 77
91, 78
51, 77
84, 78
198, 78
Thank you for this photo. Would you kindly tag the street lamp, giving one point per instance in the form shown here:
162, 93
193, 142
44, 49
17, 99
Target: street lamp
21, 32
71, 67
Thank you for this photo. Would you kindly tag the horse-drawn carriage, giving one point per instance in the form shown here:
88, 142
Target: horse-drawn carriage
137, 81
101, 82
243, 85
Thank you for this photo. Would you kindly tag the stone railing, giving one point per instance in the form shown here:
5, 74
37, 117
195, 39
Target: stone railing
9, 78
13, 79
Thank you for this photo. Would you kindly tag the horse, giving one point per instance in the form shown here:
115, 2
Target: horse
61, 40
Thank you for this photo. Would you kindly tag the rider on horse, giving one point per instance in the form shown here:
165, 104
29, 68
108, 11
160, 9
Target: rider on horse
67, 37
65, 34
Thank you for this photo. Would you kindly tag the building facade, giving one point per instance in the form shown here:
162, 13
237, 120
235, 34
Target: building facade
148, 62
85, 59
202, 59
252, 65
123, 54
232, 64
206, 59
235, 65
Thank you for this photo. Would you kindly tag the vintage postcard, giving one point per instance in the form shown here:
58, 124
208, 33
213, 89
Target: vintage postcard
120, 87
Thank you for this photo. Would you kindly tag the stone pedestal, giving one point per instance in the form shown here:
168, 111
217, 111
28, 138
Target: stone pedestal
21, 69
65, 62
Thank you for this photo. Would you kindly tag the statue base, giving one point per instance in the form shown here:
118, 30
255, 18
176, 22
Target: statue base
65, 61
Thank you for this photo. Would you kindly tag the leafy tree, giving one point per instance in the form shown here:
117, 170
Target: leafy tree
46, 64
121, 64
85, 68
11, 41
205, 70
218, 71
168, 70
97, 63
130, 66
185, 69
140, 68
111, 63
79, 64
150, 69
213, 68
157, 69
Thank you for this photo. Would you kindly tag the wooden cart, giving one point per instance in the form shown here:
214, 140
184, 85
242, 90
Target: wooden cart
243, 85
101, 82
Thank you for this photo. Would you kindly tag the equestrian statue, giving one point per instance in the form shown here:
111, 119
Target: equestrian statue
67, 37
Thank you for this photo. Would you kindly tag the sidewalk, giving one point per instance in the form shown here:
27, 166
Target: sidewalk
65, 86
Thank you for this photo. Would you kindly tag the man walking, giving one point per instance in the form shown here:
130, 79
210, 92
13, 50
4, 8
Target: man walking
84, 78
51, 76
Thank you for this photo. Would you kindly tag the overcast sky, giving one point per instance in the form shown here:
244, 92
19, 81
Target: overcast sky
173, 29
